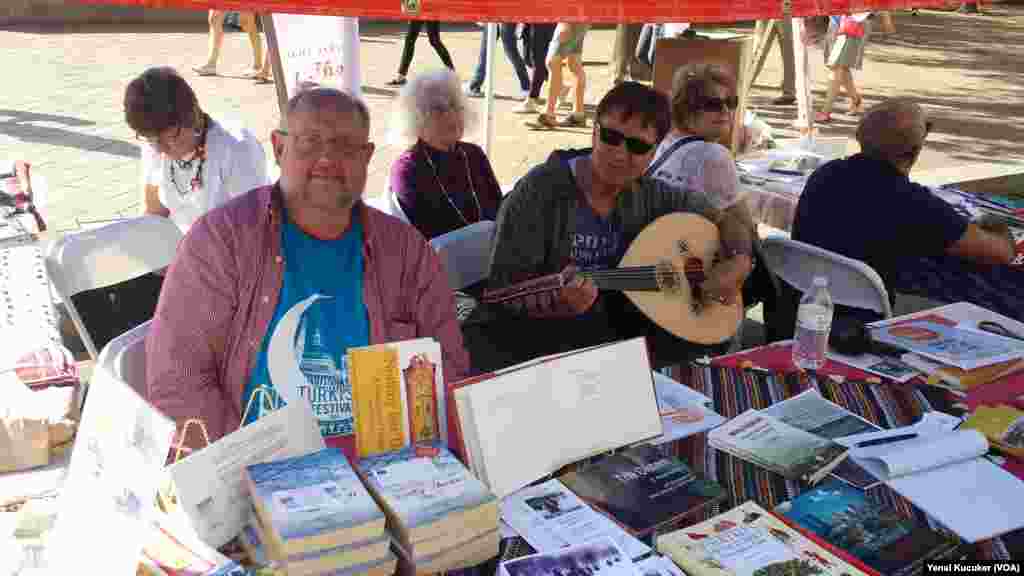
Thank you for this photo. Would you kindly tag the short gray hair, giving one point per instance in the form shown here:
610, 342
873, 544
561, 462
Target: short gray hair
892, 130
320, 98
412, 108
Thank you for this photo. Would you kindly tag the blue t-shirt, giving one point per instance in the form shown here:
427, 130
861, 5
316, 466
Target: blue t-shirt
596, 243
865, 209
329, 327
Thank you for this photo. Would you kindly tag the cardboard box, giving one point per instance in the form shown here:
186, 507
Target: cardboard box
731, 51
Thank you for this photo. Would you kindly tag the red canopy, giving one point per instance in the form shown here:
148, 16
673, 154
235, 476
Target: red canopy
594, 11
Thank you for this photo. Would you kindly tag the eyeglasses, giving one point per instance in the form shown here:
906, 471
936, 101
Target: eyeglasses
613, 137
161, 138
314, 146
718, 104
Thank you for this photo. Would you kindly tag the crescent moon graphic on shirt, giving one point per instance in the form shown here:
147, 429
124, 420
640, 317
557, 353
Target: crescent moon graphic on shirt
282, 364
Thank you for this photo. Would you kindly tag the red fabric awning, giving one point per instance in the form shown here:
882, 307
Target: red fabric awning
594, 11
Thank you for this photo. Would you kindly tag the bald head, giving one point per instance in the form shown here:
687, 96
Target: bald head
317, 99
893, 131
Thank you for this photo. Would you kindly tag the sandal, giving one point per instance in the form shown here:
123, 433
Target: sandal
397, 81
547, 121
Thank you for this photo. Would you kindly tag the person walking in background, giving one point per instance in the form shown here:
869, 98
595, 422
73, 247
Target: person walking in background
247, 20
566, 48
411, 34
509, 41
540, 38
781, 32
625, 64
844, 53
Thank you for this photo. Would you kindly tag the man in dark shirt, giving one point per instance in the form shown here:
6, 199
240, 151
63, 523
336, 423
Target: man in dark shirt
865, 207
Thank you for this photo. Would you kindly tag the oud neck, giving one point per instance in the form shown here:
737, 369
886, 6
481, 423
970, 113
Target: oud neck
633, 279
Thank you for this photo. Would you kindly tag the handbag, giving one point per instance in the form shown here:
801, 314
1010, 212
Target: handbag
850, 27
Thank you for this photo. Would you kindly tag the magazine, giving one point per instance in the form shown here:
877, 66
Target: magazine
964, 349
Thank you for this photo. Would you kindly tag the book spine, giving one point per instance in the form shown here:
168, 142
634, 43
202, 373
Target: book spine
834, 550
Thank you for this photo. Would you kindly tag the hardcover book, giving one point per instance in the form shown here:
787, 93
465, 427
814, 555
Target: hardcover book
777, 446
642, 489
881, 537
750, 541
432, 501
313, 502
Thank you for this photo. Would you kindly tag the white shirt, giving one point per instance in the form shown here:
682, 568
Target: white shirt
704, 167
235, 164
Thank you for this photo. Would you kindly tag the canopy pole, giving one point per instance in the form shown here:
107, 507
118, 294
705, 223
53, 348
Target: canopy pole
488, 124
804, 96
280, 82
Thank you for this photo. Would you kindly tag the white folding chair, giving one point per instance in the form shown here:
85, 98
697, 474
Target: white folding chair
106, 256
466, 253
124, 357
388, 204
850, 282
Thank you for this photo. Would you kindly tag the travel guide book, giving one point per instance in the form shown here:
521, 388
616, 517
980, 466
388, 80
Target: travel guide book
881, 537
398, 395
642, 489
750, 541
432, 501
959, 347
313, 502
777, 446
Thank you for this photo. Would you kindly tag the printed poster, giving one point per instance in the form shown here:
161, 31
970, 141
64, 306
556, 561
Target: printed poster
319, 51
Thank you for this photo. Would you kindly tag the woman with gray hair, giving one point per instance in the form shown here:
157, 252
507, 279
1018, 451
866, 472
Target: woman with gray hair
440, 182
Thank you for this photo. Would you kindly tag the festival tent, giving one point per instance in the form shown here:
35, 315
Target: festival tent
586, 11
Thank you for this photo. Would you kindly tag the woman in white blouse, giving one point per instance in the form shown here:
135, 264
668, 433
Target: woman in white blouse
190, 162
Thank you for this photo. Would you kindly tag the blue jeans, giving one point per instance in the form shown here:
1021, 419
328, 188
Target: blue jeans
507, 32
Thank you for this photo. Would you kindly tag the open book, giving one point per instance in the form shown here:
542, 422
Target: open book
523, 423
945, 474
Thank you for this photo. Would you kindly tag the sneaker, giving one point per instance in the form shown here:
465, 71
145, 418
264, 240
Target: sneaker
472, 92
252, 73
205, 70
574, 120
529, 106
397, 81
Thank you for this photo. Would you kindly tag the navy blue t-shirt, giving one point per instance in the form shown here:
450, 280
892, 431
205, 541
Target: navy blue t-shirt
865, 209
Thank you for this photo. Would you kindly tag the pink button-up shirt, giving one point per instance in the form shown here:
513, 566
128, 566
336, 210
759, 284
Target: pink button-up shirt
220, 293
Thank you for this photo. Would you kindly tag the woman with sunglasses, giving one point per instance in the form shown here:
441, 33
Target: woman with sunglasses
190, 162
692, 155
440, 182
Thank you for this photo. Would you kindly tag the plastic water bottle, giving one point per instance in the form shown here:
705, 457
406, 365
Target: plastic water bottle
813, 323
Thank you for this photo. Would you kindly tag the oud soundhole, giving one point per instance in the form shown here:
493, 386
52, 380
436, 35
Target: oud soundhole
682, 247
693, 269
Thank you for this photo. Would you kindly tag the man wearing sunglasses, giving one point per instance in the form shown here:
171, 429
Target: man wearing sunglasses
866, 207
582, 208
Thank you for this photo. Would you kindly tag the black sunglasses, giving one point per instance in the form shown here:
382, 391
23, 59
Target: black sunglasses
716, 104
613, 137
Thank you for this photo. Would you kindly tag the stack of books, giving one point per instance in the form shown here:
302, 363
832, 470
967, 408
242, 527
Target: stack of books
440, 515
312, 516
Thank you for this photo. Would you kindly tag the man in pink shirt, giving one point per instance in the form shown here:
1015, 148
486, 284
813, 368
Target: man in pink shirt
244, 265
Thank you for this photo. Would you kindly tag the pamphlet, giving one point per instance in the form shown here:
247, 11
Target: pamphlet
210, 484
109, 493
965, 349
551, 517
684, 411
890, 368
658, 566
600, 557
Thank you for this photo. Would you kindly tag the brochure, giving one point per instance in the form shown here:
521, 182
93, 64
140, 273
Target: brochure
684, 411
600, 557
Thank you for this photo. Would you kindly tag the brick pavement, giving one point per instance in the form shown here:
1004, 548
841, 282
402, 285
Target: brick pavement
61, 104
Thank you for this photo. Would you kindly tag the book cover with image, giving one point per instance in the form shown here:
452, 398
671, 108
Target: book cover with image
642, 489
881, 537
777, 446
313, 502
959, 347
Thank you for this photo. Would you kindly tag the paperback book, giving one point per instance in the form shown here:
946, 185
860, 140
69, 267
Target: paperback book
881, 537
1002, 425
642, 489
777, 446
950, 345
313, 502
